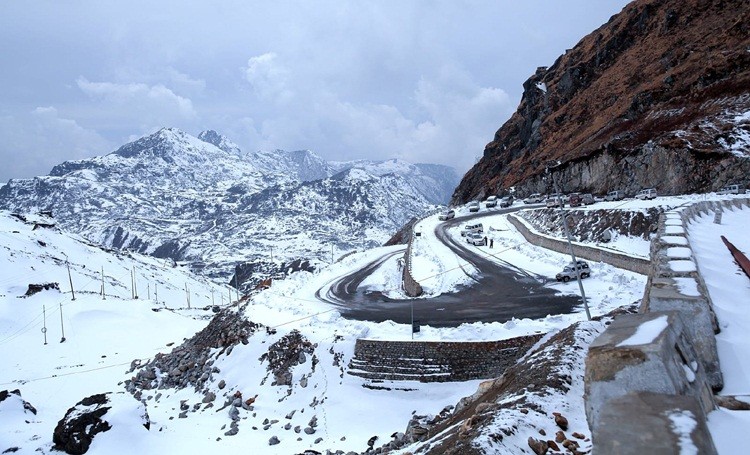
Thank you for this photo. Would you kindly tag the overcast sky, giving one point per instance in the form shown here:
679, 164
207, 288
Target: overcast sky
425, 81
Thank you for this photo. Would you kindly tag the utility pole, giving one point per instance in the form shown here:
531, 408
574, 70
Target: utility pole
70, 278
212, 297
62, 327
104, 294
135, 285
332, 253
44, 326
229, 291
187, 294
156, 292
570, 240
271, 253
148, 290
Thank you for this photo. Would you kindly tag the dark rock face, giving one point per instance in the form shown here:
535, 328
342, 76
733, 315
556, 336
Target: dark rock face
75, 432
656, 97
36, 288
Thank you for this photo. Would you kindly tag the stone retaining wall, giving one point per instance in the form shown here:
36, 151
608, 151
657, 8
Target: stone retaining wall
619, 260
432, 361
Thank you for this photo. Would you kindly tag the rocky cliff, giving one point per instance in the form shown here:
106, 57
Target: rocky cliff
659, 96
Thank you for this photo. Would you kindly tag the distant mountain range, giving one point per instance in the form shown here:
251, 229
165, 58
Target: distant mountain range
205, 201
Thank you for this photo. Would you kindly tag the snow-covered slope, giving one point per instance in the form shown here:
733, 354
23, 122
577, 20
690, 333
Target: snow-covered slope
172, 195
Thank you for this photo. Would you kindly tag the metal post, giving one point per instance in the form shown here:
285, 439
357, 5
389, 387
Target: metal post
331, 253
229, 293
570, 246
156, 292
271, 253
104, 294
412, 319
70, 278
62, 327
212, 297
148, 290
44, 326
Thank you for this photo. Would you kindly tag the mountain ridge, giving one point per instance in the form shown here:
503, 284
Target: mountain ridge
173, 195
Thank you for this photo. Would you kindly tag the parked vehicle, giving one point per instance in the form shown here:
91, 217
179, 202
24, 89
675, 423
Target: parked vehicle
733, 189
534, 199
507, 201
555, 200
474, 206
472, 228
574, 199
648, 193
569, 271
491, 202
616, 195
447, 215
587, 199
476, 239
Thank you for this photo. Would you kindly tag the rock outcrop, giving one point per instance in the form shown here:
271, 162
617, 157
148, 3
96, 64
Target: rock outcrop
75, 432
659, 96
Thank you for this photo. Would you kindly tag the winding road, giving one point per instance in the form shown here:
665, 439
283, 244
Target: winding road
499, 294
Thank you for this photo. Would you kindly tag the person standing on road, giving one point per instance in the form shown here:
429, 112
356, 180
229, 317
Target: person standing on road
485, 240
492, 243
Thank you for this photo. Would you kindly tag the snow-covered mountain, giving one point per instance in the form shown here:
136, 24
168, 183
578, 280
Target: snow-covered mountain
203, 200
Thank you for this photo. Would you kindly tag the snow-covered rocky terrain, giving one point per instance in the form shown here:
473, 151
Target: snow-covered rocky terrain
204, 201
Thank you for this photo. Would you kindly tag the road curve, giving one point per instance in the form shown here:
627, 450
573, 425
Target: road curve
499, 294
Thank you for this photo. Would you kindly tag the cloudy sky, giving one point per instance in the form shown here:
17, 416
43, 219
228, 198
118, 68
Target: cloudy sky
425, 81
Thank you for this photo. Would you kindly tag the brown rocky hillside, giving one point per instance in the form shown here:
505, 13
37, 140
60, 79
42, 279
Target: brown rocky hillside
659, 96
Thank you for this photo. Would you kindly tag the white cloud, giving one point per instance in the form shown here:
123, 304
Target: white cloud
33, 143
268, 77
139, 97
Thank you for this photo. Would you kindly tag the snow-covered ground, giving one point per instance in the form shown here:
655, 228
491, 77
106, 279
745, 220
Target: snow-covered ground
102, 337
729, 289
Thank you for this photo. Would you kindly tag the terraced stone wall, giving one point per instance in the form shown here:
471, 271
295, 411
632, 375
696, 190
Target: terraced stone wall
432, 361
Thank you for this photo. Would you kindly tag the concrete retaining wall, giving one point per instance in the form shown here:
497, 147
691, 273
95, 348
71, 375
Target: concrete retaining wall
641, 386
618, 260
430, 361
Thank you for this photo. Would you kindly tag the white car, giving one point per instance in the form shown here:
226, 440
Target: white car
476, 239
648, 193
491, 202
474, 206
534, 199
555, 200
447, 215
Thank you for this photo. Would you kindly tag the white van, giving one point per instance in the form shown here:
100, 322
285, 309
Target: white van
648, 193
472, 228
616, 195
733, 189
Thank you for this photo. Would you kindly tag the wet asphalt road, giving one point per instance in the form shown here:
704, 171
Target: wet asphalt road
498, 294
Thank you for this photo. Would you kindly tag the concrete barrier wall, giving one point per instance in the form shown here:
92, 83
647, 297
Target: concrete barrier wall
432, 361
615, 259
410, 285
638, 386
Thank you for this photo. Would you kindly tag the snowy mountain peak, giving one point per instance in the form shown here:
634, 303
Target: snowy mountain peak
301, 165
220, 141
